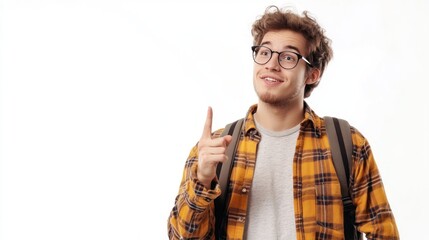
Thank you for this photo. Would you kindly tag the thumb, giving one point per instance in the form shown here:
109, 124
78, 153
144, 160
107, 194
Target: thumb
227, 139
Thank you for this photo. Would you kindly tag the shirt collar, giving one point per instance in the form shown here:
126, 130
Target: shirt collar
310, 120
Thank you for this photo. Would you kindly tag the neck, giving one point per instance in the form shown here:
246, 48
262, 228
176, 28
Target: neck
279, 118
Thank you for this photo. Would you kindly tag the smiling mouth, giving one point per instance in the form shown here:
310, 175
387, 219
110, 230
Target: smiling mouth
272, 80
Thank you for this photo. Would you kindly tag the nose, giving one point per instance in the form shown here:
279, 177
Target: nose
273, 64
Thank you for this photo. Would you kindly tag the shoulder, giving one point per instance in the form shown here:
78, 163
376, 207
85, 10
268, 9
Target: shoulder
359, 141
229, 128
357, 137
217, 133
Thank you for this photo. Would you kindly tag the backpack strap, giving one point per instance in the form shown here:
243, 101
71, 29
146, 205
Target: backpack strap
340, 141
223, 173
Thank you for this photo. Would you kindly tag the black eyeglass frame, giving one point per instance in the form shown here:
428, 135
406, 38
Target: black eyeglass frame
278, 57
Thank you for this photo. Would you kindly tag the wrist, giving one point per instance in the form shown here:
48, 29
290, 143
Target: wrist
206, 182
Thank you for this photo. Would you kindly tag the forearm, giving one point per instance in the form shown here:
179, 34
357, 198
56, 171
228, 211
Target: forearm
192, 216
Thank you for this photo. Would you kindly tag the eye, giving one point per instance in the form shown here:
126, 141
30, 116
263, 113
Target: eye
288, 57
264, 52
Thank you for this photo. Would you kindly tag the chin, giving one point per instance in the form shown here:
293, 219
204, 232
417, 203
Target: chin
271, 99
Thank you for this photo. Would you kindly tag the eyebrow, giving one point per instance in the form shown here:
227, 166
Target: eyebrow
287, 46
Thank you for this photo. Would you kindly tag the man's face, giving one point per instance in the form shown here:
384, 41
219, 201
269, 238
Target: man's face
275, 85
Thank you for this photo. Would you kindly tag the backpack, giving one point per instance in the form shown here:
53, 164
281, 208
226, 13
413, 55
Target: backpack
340, 141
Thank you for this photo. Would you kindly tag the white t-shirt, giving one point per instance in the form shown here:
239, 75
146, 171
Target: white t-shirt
271, 212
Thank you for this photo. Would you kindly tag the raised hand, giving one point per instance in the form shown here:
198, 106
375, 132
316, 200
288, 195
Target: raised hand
210, 152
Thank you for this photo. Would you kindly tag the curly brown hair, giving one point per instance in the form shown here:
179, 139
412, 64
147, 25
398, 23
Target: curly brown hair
320, 51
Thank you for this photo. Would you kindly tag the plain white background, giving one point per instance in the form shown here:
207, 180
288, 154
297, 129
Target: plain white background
101, 102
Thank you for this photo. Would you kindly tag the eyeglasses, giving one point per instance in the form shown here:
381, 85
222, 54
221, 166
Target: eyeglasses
287, 59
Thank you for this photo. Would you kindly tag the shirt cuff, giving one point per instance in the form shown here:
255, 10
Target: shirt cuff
197, 194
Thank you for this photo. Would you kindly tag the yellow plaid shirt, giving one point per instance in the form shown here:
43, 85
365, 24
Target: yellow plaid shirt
317, 194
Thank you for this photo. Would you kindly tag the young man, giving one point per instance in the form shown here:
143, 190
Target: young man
283, 183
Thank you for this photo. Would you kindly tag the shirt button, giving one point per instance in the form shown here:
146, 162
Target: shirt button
244, 190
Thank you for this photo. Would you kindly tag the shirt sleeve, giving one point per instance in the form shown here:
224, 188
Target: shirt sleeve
192, 216
374, 216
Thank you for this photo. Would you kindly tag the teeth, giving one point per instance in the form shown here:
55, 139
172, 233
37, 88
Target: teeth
271, 79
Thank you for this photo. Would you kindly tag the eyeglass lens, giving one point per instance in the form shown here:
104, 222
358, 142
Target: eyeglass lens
286, 59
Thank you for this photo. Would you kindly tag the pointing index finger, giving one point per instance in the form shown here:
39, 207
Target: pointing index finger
207, 131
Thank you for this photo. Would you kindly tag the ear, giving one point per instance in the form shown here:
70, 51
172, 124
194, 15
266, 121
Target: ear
313, 76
